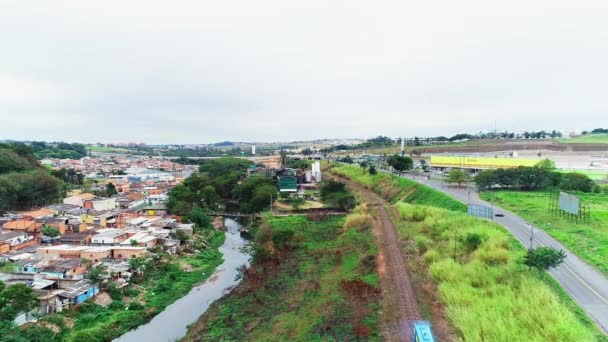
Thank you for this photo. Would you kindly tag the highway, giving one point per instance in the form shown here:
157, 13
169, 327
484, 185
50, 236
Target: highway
586, 285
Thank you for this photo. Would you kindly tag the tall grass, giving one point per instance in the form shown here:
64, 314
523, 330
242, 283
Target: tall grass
394, 188
487, 293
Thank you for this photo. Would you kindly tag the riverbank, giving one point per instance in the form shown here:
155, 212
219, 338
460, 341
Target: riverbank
310, 280
172, 323
165, 279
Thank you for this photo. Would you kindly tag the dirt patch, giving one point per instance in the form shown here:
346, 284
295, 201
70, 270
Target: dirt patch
103, 299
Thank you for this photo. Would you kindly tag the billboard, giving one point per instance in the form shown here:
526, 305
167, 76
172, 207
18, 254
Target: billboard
480, 211
569, 203
481, 162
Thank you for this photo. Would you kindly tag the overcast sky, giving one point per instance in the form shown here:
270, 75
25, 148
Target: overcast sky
205, 71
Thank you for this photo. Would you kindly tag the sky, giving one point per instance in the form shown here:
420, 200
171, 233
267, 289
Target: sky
207, 71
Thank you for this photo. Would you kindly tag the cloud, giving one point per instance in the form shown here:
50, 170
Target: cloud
197, 71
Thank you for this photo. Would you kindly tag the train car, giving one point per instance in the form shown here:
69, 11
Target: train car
421, 332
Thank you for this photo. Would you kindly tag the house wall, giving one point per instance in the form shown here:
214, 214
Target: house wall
4, 247
96, 256
119, 253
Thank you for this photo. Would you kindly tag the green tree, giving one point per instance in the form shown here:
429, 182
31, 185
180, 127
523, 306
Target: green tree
372, 170
209, 196
400, 163
546, 164
364, 165
15, 299
544, 258
50, 231
96, 273
111, 189
458, 176
576, 182
199, 217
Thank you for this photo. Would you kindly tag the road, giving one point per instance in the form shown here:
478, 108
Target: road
586, 285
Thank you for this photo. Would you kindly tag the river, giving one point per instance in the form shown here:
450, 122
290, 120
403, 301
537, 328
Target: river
171, 324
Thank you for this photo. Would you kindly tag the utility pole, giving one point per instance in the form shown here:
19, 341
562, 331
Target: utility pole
531, 235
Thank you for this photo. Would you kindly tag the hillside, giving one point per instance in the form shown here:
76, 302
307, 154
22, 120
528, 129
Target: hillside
23, 182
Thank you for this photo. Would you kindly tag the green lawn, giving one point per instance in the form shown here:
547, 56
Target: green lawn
587, 240
396, 189
587, 139
106, 149
487, 293
296, 292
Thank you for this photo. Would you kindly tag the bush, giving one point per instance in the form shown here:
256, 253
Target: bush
356, 220
431, 256
576, 182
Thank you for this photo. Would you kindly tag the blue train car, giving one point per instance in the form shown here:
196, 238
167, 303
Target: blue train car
421, 332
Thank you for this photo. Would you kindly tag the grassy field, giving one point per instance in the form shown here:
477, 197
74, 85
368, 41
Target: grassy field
587, 240
318, 285
487, 293
108, 149
587, 139
395, 189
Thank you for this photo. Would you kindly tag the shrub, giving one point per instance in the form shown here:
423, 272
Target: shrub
422, 243
431, 256
494, 256
356, 220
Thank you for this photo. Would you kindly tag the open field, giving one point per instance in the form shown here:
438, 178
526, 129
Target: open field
487, 293
586, 139
306, 284
588, 241
395, 189
106, 149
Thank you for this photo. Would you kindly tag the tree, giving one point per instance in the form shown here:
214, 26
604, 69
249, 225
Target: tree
199, 217
347, 160
544, 258
372, 170
111, 189
15, 299
50, 231
133, 242
576, 182
400, 163
364, 165
180, 236
96, 273
546, 164
209, 196
458, 176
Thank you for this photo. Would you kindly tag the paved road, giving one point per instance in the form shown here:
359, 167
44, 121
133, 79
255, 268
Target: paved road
586, 285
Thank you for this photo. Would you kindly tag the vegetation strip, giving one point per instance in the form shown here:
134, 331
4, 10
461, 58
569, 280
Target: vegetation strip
393, 188
310, 280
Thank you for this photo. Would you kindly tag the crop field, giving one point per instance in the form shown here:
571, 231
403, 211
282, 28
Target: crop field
487, 293
319, 286
587, 240
395, 189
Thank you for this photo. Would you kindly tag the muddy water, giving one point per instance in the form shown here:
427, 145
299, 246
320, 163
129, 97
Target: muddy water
171, 324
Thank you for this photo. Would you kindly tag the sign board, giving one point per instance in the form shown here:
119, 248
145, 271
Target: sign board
569, 203
480, 211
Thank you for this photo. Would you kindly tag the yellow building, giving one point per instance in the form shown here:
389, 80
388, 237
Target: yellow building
481, 162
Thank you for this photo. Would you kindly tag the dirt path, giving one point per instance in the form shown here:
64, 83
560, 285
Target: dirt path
399, 306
